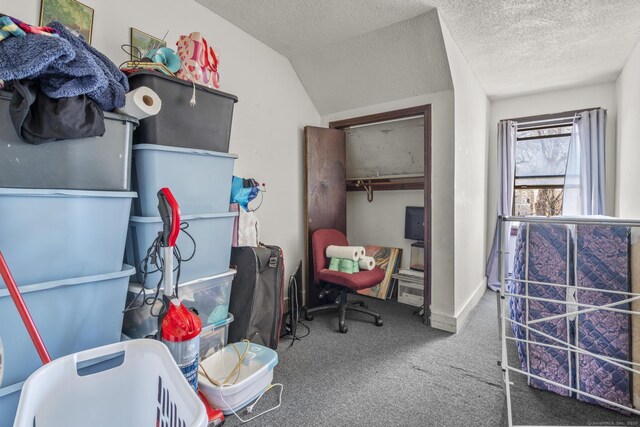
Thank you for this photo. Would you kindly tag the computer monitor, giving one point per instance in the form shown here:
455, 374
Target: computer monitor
414, 223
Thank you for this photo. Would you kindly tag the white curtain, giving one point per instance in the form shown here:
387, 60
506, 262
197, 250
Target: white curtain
506, 175
584, 187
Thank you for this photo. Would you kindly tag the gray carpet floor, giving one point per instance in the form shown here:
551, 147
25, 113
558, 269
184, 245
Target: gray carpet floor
408, 374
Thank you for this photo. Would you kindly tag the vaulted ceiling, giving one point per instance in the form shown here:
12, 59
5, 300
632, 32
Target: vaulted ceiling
361, 52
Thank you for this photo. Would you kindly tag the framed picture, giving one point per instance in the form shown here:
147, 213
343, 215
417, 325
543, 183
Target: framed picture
77, 17
387, 259
144, 42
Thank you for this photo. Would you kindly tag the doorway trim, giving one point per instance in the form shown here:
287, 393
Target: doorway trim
421, 110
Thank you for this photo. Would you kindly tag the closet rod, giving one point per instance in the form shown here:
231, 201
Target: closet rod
401, 119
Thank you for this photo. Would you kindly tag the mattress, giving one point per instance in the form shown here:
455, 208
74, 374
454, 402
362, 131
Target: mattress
542, 254
635, 306
602, 262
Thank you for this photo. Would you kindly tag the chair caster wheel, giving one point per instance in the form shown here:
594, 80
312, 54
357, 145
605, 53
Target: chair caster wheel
306, 314
379, 321
343, 329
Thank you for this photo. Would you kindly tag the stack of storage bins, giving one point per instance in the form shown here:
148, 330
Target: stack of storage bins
64, 209
184, 148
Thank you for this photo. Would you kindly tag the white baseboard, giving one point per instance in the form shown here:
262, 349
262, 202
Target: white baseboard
476, 295
454, 324
444, 322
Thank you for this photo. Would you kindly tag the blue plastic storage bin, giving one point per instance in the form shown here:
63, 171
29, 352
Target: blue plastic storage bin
50, 235
9, 399
71, 315
200, 180
212, 234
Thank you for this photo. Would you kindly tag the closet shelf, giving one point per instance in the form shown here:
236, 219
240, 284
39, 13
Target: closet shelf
382, 183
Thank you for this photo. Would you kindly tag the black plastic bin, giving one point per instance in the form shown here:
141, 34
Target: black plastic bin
97, 163
205, 126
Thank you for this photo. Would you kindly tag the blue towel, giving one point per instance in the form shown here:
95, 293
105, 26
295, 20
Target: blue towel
107, 97
64, 66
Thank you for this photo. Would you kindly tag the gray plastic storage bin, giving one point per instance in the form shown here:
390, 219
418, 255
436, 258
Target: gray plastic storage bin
71, 315
9, 399
200, 180
212, 233
98, 163
209, 296
57, 234
206, 125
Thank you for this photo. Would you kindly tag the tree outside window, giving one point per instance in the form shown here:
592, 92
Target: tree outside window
541, 164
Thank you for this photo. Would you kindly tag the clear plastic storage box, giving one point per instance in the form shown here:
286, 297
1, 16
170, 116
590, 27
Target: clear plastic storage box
213, 338
209, 296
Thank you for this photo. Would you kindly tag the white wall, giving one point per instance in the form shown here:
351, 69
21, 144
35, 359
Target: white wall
628, 174
442, 194
268, 119
470, 183
592, 96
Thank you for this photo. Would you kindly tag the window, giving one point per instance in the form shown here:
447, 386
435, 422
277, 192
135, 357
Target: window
541, 162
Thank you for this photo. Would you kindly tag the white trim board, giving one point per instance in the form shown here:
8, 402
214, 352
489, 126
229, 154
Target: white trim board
444, 322
463, 314
454, 324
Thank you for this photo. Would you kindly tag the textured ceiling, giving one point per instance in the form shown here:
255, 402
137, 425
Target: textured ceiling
399, 61
517, 47
513, 46
295, 26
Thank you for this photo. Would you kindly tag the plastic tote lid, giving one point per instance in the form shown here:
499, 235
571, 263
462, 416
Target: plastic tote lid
180, 324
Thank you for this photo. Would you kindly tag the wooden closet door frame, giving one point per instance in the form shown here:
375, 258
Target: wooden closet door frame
424, 110
323, 148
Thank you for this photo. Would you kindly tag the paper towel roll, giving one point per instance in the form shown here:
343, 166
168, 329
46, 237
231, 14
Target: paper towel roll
366, 263
345, 252
140, 103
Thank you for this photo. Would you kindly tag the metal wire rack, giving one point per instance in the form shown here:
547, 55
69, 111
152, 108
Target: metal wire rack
573, 309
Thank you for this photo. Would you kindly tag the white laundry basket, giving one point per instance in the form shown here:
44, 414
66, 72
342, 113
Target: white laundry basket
128, 384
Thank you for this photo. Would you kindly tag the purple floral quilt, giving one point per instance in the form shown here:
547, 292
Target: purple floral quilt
602, 262
542, 254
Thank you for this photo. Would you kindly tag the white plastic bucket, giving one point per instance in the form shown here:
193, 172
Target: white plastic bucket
256, 374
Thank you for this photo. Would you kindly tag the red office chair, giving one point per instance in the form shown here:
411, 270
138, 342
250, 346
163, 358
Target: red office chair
343, 282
